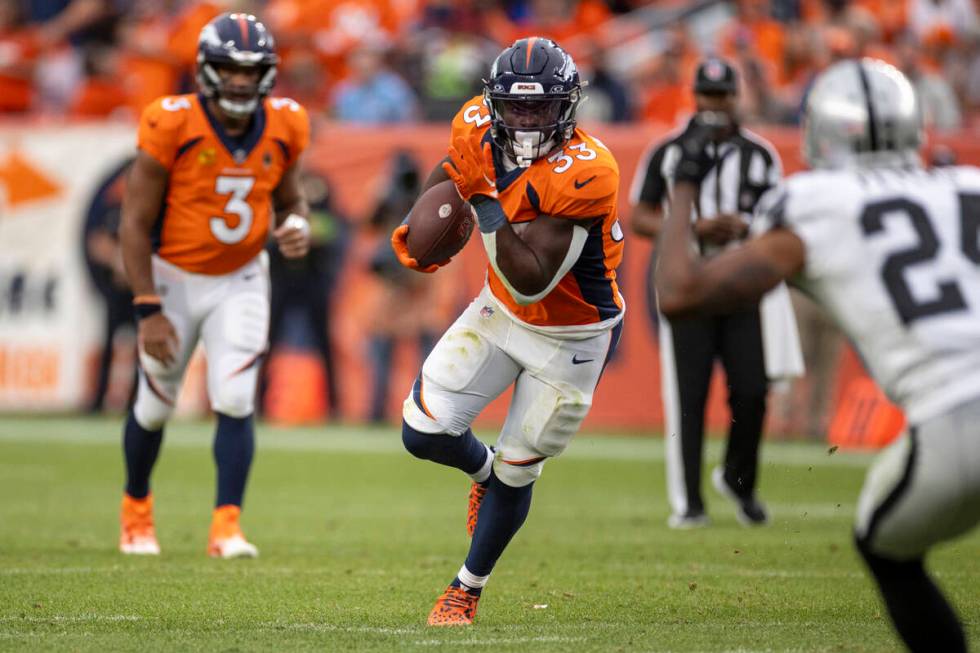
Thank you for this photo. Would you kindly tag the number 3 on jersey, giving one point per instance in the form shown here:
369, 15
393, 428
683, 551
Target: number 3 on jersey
237, 188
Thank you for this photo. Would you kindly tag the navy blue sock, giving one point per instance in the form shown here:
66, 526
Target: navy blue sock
463, 452
140, 448
234, 446
475, 591
502, 513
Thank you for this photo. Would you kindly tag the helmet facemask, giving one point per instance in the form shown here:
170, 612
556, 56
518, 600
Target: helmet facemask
236, 42
235, 101
532, 94
529, 127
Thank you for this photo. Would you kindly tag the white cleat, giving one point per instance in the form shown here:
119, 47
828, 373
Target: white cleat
232, 547
137, 535
140, 545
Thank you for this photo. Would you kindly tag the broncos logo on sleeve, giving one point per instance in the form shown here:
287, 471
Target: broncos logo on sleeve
216, 213
577, 182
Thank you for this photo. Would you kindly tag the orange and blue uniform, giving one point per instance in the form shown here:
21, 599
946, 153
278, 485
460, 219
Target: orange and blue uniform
216, 212
579, 182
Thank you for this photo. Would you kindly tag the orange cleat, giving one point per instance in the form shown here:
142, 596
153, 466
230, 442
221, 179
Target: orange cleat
226, 539
137, 535
456, 607
477, 492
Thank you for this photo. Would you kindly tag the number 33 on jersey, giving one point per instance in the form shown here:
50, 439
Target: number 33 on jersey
580, 182
218, 201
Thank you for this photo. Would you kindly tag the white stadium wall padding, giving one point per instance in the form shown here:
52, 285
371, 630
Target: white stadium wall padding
51, 317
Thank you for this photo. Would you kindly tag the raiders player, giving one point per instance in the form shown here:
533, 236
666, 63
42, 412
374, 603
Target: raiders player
892, 251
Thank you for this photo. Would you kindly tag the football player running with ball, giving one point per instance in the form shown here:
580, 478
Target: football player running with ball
892, 251
196, 216
549, 316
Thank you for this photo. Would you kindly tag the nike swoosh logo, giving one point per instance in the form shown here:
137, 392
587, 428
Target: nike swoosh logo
246, 277
579, 184
578, 361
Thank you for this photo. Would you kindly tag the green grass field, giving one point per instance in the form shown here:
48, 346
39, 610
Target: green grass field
357, 539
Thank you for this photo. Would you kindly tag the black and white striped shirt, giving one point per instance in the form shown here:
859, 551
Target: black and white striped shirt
746, 166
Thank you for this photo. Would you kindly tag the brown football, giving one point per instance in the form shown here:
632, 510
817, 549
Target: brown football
439, 224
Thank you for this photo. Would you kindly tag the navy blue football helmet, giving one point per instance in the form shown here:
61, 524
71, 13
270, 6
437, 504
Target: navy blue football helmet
236, 40
532, 94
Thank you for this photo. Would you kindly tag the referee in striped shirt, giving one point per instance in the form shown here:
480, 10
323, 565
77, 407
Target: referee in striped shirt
745, 167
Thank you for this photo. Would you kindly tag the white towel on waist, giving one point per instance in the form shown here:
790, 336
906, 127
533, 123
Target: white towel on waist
780, 336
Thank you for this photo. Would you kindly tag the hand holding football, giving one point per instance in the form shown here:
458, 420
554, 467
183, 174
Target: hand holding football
439, 225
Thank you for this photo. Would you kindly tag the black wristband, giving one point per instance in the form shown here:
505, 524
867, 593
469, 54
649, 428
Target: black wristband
144, 311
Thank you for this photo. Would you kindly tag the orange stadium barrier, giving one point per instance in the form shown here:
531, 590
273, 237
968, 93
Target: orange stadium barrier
863, 418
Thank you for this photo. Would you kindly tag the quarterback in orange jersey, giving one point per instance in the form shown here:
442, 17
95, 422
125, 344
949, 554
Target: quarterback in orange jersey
550, 314
211, 171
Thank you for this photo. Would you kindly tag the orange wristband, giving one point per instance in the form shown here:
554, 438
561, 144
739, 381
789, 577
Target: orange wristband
147, 299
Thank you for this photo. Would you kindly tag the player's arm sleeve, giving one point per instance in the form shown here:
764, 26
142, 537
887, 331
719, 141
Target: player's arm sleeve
802, 214
159, 132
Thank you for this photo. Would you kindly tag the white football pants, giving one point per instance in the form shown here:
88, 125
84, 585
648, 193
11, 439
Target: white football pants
925, 487
482, 354
229, 313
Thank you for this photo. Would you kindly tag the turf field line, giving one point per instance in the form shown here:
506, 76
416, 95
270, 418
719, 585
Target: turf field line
497, 641
74, 618
18, 571
331, 628
388, 441
660, 569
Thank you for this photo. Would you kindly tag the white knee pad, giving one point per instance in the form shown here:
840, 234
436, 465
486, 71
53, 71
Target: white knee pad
455, 382
234, 396
417, 419
551, 417
149, 409
518, 473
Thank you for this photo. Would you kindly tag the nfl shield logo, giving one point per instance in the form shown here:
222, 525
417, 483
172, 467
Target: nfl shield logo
486, 312
713, 70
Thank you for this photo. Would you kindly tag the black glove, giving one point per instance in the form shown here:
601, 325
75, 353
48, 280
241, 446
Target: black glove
695, 162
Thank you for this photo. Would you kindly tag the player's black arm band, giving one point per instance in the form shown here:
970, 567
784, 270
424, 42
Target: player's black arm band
144, 308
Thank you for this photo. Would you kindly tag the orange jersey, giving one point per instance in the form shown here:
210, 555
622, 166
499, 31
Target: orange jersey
578, 182
216, 212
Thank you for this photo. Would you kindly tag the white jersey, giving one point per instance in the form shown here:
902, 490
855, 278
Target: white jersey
894, 256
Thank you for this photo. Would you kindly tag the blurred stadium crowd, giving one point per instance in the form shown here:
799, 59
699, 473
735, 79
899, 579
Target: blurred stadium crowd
386, 61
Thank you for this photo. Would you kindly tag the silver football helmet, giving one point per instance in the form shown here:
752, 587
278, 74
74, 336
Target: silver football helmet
862, 113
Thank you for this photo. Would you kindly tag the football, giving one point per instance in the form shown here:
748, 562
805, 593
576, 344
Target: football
439, 224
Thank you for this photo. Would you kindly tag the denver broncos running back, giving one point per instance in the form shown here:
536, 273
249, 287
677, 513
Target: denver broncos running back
891, 250
550, 314
196, 216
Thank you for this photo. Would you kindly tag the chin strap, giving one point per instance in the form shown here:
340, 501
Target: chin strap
527, 148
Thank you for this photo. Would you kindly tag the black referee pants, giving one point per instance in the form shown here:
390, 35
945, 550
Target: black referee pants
689, 348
